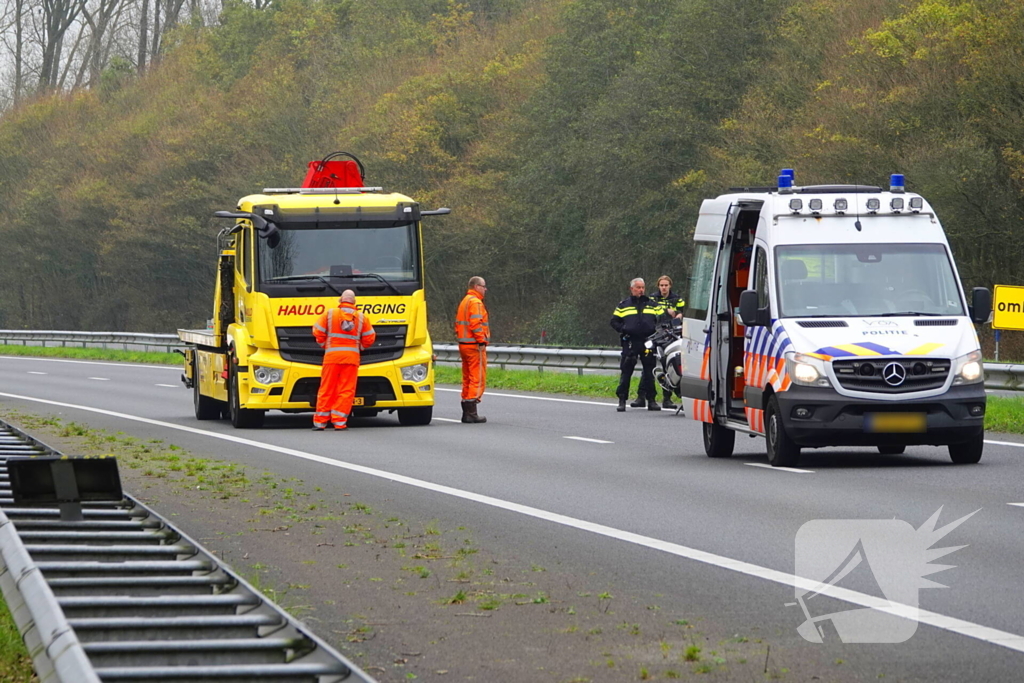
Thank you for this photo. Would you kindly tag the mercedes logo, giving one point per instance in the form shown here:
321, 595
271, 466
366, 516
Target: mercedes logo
894, 374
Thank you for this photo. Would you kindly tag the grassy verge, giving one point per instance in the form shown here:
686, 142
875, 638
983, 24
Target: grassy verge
15, 664
92, 354
1003, 414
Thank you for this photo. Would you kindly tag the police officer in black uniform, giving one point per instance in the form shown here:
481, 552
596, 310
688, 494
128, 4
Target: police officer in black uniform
671, 306
634, 319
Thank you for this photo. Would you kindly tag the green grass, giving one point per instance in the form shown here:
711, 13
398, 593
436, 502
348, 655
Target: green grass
15, 664
92, 354
1004, 415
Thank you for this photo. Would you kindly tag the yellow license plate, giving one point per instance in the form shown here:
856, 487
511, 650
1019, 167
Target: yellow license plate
895, 422
357, 401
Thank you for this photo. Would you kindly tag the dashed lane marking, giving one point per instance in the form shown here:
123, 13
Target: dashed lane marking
537, 398
169, 386
33, 372
446, 419
583, 438
779, 469
1005, 639
101, 379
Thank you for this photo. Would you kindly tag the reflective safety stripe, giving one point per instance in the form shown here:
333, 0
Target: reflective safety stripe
366, 334
467, 340
475, 316
332, 349
338, 413
343, 335
320, 327
323, 414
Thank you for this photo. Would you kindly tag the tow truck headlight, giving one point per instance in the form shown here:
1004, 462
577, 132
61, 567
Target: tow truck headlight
267, 375
806, 370
415, 373
969, 369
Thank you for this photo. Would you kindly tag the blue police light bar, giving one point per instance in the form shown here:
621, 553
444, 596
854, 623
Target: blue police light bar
785, 183
789, 172
896, 183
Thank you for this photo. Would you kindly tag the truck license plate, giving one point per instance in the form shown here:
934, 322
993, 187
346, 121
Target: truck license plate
895, 422
357, 401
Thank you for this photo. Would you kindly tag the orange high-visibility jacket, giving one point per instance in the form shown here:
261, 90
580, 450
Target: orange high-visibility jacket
341, 332
471, 326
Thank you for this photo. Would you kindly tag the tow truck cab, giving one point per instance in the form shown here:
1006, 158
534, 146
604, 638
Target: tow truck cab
285, 261
831, 316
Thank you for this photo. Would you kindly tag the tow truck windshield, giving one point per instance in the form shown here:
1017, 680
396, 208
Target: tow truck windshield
369, 258
861, 280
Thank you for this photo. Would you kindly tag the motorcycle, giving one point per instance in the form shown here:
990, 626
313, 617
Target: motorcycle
667, 345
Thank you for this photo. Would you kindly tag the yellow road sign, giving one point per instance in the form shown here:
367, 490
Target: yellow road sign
1008, 308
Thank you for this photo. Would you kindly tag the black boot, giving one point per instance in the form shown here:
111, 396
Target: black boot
622, 406
469, 414
667, 404
653, 404
640, 402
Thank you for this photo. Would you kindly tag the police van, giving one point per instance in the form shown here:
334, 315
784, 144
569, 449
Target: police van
831, 315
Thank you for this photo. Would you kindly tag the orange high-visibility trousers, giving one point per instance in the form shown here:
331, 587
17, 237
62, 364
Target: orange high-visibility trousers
474, 371
334, 399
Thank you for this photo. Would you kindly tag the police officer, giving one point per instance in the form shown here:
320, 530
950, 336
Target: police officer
634, 319
672, 307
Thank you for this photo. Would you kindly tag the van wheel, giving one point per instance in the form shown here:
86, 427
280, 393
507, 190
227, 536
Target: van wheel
413, 417
969, 452
718, 441
241, 418
782, 452
206, 408
891, 450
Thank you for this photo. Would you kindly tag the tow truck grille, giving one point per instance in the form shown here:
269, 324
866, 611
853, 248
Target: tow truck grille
868, 374
298, 345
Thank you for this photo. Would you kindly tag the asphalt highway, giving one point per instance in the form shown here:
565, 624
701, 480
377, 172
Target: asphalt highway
633, 496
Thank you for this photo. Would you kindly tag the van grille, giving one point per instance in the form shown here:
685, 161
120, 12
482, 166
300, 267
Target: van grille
298, 345
945, 322
821, 323
868, 374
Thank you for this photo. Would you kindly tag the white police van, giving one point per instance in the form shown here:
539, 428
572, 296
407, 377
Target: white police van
831, 315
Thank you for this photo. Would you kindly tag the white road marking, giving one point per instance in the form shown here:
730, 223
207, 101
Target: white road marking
446, 419
537, 398
101, 379
169, 386
1020, 505
91, 362
1011, 641
778, 469
1005, 443
583, 438
33, 372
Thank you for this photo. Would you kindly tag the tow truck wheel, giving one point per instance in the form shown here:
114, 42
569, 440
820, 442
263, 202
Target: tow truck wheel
782, 452
241, 418
891, 450
718, 441
969, 452
412, 417
206, 408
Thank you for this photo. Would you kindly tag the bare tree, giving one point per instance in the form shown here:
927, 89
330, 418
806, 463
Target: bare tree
99, 21
58, 16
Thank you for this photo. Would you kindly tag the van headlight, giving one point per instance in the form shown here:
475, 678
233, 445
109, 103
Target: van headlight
415, 373
968, 369
267, 375
806, 370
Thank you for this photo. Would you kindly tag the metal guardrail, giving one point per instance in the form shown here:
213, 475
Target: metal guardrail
1003, 376
122, 595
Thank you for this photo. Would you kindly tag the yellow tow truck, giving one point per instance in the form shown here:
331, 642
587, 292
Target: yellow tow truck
285, 260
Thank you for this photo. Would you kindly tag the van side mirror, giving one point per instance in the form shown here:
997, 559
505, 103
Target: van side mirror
750, 314
981, 305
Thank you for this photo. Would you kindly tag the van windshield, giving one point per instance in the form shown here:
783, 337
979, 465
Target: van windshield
842, 280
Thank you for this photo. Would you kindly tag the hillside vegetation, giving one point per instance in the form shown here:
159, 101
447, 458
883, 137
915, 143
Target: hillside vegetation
573, 139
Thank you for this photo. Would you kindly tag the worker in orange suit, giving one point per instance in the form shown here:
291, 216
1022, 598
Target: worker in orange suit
342, 332
473, 333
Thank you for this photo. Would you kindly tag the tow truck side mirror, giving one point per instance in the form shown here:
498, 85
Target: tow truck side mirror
981, 305
750, 314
